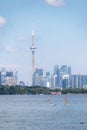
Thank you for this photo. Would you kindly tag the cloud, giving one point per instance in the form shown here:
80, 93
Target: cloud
56, 3
11, 66
22, 38
2, 21
11, 49
7, 48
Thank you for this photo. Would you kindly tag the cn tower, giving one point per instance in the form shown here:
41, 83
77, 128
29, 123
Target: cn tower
33, 54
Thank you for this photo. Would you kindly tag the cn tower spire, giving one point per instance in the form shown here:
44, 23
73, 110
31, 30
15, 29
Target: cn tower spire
33, 53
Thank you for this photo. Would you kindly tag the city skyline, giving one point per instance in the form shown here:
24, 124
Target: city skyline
60, 35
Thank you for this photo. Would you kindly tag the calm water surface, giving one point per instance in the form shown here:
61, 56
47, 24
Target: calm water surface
31, 112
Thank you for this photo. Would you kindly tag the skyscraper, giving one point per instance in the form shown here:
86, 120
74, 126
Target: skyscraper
38, 77
56, 76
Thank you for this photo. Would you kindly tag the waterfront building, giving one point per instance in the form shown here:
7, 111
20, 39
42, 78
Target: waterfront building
64, 69
38, 77
84, 81
21, 83
56, 76
54, 81
65, 81
76, 81
3, 75
47, 80
7, 77
69, 71
10, 81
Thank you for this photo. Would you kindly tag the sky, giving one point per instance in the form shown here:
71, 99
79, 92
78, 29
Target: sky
60, 35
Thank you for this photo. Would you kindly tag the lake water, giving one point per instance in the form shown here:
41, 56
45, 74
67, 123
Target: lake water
32, 112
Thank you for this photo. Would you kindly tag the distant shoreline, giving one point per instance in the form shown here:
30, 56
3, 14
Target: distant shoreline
38, 90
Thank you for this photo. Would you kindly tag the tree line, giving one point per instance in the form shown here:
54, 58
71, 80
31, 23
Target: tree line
9, 90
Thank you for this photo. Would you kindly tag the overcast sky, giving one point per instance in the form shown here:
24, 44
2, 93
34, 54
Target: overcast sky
60, 35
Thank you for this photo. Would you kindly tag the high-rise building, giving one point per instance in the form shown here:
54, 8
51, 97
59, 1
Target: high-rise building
38, 77
65, 81
84, 81
76, 81
69, 71
9, 73
10, 81
7, 77
64, 69
56, 76
79, 81
55, 79
47, 80
3, 75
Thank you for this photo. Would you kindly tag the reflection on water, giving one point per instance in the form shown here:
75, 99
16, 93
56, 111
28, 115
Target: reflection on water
32, 112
